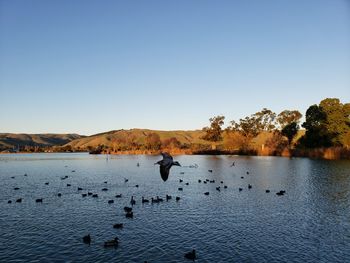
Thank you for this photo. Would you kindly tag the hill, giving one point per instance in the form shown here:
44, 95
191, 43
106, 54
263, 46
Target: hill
113, 139
14, 141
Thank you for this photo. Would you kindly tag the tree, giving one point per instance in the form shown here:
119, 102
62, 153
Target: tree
265, 120
337, 121
287, 117
251, 126
327, 124
316, 133
214, 132
290, 130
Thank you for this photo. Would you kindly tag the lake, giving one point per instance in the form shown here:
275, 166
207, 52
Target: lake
309, 223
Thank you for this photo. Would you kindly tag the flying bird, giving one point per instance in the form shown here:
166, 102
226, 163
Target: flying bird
165, 165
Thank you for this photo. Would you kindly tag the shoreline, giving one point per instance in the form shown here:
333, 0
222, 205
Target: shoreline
334, 153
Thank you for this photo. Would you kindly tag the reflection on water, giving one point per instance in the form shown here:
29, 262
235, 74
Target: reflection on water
310, 223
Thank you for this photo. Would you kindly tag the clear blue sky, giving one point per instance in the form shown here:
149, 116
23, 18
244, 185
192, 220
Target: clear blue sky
92, 66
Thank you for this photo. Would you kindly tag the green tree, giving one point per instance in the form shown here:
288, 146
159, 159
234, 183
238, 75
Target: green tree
327, 124
265, 120
316, 133
290, 130
214, 132
253, 125
287, 117
337, 121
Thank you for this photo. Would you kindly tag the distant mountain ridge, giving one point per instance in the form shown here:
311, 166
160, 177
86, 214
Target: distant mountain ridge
11, 141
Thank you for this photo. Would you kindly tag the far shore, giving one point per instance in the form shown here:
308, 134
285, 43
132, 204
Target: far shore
333, 153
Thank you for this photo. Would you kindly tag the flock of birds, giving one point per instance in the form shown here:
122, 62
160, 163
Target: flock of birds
165, 165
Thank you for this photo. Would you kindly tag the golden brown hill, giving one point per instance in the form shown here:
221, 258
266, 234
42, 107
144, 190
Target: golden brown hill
21, 140
114, 139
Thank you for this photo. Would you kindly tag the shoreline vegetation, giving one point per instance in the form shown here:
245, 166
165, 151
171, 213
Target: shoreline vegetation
324, 134
331, 153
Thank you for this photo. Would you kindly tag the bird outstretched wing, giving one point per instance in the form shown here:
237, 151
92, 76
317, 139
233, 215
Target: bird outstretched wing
164, 172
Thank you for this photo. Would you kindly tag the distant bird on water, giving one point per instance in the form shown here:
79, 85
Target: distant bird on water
165, 165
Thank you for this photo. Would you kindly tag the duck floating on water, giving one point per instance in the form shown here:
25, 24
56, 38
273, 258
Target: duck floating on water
87, 239
118, 226
191, 255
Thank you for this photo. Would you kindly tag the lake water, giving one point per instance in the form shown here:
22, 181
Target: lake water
310, 223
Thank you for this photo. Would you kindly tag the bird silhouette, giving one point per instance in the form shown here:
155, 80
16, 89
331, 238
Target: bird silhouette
165, 165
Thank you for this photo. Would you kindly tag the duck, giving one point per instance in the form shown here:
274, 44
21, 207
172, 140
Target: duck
177, 198
89, 193
168, 197
47, 183
95, 195
199, 181
206, 193
282, 192
218, 188
39, 200
118, 196
182, 173
104, 189
129, 215
132, 201
240, 189
249, 186
80, 189
145, 200
180, 189
159, 199
118, 226
267, 191
16, 188
68, 184
137, 186
225, 186
127, 209
180, 180
221, 182
83, 195
19, 200
110, 201
9, 201
210, 171
112, 243
126, 180
186, 183
59, 194
87, 239
242, 177
154, 200
191, 255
